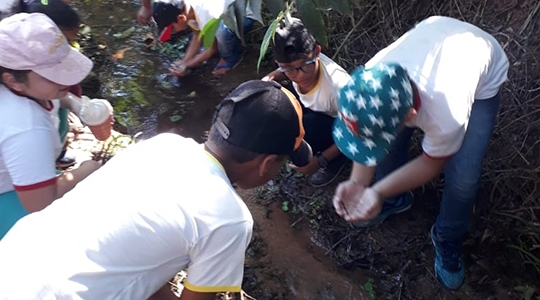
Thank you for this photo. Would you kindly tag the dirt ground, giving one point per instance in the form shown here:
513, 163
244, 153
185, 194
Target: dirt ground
308, 252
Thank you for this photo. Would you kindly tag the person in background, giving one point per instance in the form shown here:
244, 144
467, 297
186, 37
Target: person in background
317, 80
11, 7
125, 231
179, 15
36, 65
443, 77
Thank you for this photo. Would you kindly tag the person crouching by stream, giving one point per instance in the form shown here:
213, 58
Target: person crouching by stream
127, 229
178, 15
316, 79
36, 65
443, 77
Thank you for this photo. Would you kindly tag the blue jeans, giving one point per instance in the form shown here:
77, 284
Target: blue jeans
462, 172
229, 45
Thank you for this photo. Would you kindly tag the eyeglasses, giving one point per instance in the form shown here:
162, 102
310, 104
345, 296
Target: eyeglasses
305, 67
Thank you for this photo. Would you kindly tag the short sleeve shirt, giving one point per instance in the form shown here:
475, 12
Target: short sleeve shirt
125, 230
453, 64
29, 143
323, 97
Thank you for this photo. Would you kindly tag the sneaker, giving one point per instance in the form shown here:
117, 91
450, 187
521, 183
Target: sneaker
400, 205
449, 268
65, 161
325, 176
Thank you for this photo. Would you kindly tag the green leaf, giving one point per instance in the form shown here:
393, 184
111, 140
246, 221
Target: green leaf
313, 20
175, 118
208, 33
268, 36
275, 7
285, 206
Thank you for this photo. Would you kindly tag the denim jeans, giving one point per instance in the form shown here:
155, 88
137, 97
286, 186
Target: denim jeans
462, 172
229, 45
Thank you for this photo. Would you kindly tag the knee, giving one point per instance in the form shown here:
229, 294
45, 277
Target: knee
463, 182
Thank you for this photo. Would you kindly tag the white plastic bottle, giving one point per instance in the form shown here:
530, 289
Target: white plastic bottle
96, 113
92, 112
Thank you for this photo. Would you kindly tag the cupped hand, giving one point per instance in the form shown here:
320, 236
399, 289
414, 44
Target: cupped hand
178, 69
309, 169
355, 202
144, 15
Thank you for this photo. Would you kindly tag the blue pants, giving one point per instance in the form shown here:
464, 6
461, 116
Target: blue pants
11, 210
462, 172
229, 45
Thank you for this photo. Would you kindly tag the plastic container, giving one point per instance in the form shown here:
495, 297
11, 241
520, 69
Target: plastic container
95, 113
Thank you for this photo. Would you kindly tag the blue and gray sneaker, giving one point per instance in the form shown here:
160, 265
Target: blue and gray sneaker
399, 205
449, 269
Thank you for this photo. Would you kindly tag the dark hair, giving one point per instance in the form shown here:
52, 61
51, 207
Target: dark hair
20, 75
60, 12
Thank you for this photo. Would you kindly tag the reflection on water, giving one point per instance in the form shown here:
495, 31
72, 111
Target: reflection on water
144, 96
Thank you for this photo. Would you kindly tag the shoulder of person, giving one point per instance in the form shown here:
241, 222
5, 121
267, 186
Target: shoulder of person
337, 74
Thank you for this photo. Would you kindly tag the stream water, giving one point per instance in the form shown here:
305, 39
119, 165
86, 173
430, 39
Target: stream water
134, 77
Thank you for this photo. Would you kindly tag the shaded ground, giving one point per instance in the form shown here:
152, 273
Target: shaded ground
310, 253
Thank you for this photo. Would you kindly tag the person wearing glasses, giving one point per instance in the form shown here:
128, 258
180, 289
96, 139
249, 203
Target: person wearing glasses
316, 80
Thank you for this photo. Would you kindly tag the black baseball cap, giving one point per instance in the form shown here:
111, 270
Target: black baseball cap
265, 118
165, 13
292, 42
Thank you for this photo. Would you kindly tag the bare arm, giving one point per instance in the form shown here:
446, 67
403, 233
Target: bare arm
199, 58
38, 199
355, 201
195, 45
192, 58
145, 12
275, 75
362, 174
412, 175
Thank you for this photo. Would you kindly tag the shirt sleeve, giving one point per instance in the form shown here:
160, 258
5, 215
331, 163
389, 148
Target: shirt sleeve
217, 261
441, 145
30, 158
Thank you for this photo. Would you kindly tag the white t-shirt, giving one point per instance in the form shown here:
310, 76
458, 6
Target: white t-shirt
158, 207
452, 63
29, 143
207, 10
323, 97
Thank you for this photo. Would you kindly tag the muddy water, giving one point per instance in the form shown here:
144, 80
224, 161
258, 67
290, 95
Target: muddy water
145, 97
148, 100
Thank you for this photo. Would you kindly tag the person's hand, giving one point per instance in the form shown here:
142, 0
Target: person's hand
309, 169
178, 69
268, 77
354, 202
144, 15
